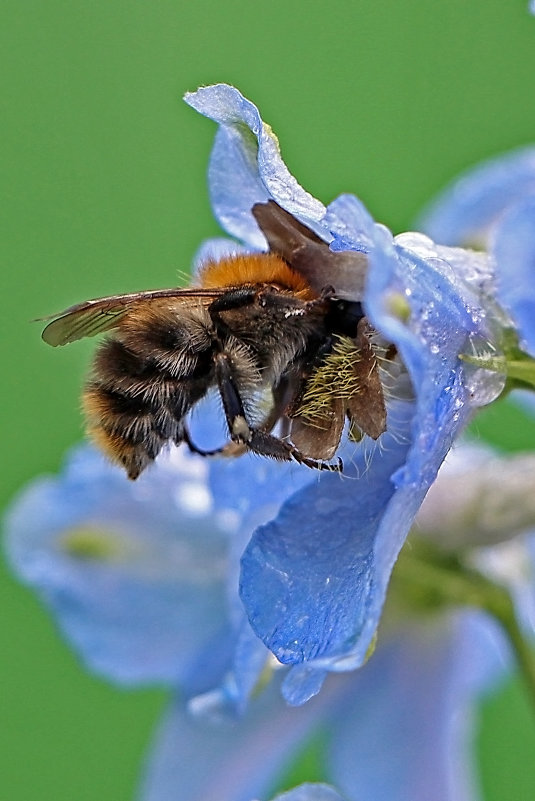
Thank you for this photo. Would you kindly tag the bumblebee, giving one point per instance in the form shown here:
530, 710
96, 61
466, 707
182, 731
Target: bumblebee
279, 344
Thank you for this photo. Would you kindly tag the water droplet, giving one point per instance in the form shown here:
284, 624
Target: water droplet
484, 385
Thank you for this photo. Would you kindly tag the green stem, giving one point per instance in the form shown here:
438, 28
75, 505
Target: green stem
525, 656
430, 578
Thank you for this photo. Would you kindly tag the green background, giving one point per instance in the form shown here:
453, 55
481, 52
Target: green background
104, 187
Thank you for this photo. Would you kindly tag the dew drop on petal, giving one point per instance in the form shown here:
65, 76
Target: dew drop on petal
483, 385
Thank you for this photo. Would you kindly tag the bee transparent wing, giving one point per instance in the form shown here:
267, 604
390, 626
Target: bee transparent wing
102, 314
309, 255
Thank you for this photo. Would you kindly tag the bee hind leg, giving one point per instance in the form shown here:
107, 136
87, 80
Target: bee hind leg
254, 439
267, 445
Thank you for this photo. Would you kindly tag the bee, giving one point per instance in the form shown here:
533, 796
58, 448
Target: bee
264, 329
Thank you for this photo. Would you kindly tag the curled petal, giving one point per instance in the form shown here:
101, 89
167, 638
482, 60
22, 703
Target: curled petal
246, 166
314, 579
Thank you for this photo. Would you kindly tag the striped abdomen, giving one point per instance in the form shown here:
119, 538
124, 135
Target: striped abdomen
145, 381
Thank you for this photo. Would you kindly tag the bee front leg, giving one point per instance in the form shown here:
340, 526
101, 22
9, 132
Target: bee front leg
256, 440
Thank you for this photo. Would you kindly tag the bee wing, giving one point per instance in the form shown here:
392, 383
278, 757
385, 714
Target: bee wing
309, 255
102, 314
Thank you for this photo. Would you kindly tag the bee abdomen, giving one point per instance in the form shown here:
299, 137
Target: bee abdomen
133, 407
176, 340
126, 429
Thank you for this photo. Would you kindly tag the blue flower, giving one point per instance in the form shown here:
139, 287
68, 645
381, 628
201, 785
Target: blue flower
141, 578
313, 579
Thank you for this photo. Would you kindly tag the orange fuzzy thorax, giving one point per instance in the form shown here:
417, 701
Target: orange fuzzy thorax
254, 268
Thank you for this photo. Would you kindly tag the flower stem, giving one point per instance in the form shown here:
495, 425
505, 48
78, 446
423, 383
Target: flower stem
525, 656
431, 579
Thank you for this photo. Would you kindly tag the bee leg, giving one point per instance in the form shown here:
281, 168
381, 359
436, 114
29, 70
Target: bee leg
193, 448
229, 449
268, 445
256, 440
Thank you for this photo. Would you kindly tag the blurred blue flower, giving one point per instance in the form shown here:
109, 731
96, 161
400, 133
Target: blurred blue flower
401, 727
494, 205
137, 576
142, 577
313, 580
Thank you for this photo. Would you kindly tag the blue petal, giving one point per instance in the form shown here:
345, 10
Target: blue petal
246, 166
465, 211
253, 488
445, 292
231, 760
514, 249
405, 732
248, 492
133, 572
350, 223
142, 577
313, 580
